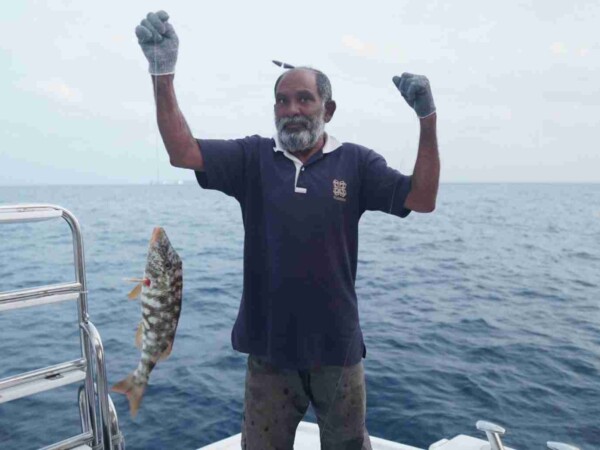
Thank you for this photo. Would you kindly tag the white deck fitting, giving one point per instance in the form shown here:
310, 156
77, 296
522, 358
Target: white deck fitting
462, 442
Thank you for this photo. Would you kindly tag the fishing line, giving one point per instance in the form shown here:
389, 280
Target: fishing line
156, 112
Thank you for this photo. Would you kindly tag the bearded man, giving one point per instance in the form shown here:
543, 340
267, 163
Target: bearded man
302, 194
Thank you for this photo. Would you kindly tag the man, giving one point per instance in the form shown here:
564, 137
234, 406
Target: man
302, 195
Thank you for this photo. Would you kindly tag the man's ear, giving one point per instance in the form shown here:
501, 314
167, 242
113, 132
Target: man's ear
329, 110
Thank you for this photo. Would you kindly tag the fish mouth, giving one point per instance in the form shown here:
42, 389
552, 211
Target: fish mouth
157, 234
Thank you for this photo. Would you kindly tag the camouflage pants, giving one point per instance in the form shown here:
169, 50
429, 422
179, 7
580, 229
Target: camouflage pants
277, 399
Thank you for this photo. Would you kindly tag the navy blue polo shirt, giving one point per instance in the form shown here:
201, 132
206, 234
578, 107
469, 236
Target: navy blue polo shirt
299, 307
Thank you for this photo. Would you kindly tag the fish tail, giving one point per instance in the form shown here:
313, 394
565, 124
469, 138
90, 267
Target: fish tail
134, 392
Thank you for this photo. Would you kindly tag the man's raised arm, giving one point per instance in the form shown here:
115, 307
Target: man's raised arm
426, 175
160, 44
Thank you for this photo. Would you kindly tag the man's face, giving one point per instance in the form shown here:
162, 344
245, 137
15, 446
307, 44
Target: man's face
299, 111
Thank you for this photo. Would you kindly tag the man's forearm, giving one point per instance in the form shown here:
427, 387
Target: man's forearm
426, 175
180, 143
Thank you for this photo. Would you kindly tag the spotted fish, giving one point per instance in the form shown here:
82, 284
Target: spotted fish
160, 292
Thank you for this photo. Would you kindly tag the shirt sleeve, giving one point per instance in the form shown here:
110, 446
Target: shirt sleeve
383, 188
224, 165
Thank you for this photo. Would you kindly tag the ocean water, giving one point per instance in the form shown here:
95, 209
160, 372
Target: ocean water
489, 308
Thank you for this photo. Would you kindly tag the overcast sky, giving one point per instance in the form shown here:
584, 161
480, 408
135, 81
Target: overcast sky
516, 83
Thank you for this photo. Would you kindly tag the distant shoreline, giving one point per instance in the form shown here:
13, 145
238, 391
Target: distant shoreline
193, 182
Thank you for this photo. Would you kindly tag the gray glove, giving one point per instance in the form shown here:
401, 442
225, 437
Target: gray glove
416, 91
159, 42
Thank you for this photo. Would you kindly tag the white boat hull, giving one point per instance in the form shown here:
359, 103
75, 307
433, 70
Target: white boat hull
307, 438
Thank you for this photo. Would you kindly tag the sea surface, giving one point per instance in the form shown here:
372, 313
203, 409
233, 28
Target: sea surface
489, 308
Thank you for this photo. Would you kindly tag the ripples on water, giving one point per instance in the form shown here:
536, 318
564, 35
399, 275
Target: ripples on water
486, 309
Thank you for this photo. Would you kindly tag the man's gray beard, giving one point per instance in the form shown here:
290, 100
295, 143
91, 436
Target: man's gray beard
298, 141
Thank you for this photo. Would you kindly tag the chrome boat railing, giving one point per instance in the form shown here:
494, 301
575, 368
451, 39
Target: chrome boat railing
99, 423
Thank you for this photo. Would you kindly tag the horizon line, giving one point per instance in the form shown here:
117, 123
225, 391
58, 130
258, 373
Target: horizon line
194, 182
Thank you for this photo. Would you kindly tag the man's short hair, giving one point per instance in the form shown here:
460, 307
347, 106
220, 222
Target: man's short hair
323, 83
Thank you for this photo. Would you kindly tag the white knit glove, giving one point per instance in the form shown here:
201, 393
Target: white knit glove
416, 91
159, 43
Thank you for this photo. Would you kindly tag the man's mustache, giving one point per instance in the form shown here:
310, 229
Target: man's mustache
295, 120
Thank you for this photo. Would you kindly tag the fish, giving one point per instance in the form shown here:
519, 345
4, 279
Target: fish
160, 291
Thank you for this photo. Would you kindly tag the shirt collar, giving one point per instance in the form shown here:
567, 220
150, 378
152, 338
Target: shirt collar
331, 144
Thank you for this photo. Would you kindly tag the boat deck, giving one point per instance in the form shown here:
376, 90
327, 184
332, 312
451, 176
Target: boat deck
307, 438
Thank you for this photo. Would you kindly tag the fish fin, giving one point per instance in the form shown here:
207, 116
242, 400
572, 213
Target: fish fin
133, 391
135, 293
138, 335
166, 353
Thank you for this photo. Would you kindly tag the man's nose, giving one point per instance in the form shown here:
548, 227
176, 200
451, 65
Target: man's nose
293, 109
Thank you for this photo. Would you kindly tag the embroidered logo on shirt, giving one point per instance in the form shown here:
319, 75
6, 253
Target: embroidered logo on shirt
339, 190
